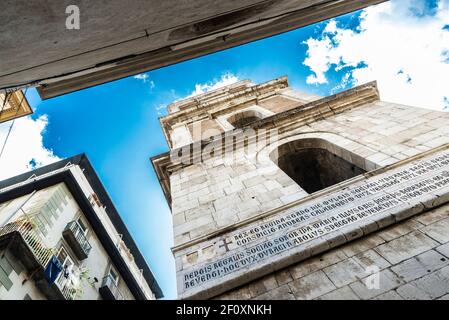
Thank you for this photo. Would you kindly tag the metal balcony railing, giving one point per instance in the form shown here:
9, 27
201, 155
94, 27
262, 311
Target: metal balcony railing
77, 239
27, 229
33, 240
109, 289
67, 287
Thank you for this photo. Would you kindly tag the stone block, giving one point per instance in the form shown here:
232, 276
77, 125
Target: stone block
178, 219
363, 244
282, 293
270, 205
444, 249
433, 215
291, 189
369, 259
225, 202
335, 239
390, 295
344, 293
283, 277
405, 247
352, 232
249, 213
438, 230
234, 187
272, 185
180, 206
244, 205
384, 219
182, 238
345, 272
199, 194
253, 181
369, 226
420, 265
316, 263
199, 222
435, 284
311, 286
408, 212
200, 212
263, 285
226, 220
239, 294
387, 281
410, 292
399, 230
293, 197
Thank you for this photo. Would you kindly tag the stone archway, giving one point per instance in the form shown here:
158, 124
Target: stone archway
242, 119
314, 163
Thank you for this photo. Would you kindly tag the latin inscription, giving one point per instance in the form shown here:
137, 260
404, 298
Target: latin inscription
316, 218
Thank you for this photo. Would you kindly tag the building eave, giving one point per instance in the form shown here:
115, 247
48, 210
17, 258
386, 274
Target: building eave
62, 63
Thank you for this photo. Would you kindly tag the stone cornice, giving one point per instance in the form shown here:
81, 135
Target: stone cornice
200, 107
316, 195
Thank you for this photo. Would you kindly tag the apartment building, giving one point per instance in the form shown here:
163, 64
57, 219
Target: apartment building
62, 238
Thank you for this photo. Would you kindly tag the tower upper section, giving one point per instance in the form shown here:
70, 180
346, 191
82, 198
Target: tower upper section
232, 107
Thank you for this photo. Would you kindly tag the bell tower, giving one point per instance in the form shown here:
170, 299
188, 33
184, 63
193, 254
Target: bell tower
261, 179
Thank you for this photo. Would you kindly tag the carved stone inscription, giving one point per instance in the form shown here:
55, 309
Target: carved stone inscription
397, 189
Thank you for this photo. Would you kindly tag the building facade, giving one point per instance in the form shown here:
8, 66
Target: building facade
62, 238
13, 105
283, 195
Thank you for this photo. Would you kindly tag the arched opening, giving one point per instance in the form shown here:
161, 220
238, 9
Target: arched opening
242, 119
314, 164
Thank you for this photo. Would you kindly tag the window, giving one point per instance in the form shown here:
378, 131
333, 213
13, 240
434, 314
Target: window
312, 165
113, 274
69, 278
244, 118
82, 226
64, 279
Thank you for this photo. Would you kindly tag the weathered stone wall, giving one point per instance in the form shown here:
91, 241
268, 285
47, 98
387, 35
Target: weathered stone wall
210, 196
412, 256
238, 219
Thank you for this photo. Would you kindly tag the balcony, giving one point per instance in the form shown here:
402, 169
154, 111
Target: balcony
22, 238
76, 239
109, 290
68, 287
26, 244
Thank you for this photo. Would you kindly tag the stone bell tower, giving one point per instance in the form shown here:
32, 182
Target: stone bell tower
283, 195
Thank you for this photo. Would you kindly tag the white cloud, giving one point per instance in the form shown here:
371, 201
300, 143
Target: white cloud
152, 85
225, 80
143, 77
403, 44
161, 109
25, 149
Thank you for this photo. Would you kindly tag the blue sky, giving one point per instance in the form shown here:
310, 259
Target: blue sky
116, 124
